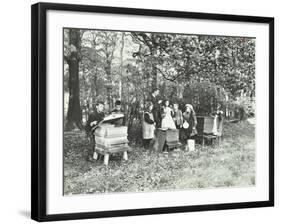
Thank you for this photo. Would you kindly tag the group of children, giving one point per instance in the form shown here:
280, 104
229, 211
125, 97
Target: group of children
168, 117
157, 114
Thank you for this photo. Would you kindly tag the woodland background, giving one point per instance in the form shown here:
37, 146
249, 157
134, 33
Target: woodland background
205, 71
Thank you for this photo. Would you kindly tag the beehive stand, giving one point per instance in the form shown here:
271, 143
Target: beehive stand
205, 128
107, 152
111, 140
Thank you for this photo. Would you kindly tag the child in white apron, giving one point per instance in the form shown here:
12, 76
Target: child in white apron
148, 125
167, 119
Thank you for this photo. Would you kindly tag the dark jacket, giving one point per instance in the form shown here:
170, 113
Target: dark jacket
192, 121
120, 121
190, 118
95, 116
154, 100
147, 118
178, 118
156, 109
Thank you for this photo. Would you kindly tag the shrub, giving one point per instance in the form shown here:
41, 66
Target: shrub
242, 108
204, 96
249, 105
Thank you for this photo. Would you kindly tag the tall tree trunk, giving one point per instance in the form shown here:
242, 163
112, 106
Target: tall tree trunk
74, 113
94, 89
109, 83
154, 68
121, 66
154, 77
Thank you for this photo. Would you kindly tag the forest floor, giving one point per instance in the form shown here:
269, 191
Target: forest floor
231, 164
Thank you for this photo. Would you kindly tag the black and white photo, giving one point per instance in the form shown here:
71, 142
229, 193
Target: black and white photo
157, 111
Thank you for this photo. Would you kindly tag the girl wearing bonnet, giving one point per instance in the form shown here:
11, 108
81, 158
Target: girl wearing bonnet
190, 122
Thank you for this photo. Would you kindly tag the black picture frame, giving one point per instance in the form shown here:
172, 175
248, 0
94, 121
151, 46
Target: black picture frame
38, 108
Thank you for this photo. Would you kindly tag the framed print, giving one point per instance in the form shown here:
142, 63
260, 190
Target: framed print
139, 111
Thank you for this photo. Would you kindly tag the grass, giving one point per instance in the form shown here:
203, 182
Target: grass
232, 164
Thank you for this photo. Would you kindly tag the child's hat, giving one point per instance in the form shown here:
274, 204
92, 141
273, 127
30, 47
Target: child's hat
189, 105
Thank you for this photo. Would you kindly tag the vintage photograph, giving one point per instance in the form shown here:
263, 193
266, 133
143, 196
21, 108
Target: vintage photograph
147, 111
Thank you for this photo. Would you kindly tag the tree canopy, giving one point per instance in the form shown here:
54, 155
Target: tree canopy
111, 65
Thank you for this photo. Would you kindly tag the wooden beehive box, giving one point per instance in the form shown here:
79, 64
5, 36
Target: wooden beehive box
205, 125
108, 130
110, 138
167, 136
105, 141
172, 135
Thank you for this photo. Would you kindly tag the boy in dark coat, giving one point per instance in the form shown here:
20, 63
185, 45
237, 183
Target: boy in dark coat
118, 110
92, 123
156, 111
177, 116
